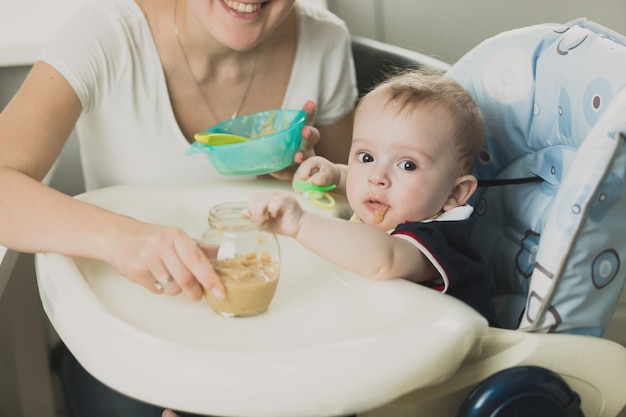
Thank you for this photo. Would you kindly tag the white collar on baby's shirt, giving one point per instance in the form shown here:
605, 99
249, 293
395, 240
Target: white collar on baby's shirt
457, 213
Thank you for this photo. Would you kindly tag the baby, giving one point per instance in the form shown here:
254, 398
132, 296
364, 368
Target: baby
416, 138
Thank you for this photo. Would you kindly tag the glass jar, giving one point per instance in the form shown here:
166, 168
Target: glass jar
246, 256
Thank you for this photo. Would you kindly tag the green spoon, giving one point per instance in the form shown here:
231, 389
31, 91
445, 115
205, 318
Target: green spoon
214, 139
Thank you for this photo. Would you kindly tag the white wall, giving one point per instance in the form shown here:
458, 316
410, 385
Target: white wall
447, 29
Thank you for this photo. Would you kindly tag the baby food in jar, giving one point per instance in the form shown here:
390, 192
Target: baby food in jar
246, 256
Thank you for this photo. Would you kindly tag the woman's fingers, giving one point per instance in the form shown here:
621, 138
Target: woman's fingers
199, 274
165, 260
309, 108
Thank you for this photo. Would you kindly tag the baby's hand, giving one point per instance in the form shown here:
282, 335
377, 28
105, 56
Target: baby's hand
279, 208
318, 171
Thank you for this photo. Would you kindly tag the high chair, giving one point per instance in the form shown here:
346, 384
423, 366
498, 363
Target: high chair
551, 223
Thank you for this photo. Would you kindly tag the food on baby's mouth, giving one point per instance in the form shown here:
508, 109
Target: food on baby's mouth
250, 280
379, 214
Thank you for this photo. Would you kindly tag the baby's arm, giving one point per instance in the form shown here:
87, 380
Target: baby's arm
355, 247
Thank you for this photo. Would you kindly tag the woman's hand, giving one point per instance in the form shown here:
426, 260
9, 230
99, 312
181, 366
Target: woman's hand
310, 138
164, 259
310, 135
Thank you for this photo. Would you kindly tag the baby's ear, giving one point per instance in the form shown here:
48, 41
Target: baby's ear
462, 191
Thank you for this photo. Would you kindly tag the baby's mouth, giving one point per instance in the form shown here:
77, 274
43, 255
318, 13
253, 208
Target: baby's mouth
379, 209
243, 7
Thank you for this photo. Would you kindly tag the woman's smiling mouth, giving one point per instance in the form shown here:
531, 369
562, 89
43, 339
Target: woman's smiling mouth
240, 7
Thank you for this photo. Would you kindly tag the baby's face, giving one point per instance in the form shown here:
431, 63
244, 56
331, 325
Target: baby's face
401, 166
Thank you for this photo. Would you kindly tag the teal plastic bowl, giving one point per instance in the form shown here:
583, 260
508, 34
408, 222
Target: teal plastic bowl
275, 137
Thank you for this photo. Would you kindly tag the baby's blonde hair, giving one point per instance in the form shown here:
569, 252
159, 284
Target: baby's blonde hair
412, 88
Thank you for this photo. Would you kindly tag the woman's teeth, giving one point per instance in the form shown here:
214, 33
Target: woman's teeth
243, 7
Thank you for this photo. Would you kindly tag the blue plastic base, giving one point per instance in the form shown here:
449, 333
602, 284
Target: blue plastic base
524, 391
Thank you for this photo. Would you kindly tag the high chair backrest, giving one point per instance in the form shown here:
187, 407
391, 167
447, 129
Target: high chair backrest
374, 59
554, 101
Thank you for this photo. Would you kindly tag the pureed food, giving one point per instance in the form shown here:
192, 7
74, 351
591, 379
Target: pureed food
245, 255
250, 282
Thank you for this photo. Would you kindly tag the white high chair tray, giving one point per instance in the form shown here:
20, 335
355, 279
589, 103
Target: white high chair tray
331, 343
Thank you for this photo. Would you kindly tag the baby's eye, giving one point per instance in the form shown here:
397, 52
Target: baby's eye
408, 165
365, 157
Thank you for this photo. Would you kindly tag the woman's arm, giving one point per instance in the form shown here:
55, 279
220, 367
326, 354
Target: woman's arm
35, 218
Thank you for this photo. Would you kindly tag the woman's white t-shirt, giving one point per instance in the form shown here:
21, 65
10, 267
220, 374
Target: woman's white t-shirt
127, 131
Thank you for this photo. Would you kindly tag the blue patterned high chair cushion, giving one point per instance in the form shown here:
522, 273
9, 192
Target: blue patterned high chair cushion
554, 100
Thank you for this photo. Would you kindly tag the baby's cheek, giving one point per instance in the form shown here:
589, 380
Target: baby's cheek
351, 196
414, 208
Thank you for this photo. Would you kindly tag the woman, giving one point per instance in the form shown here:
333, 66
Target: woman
140, 78
137, 79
